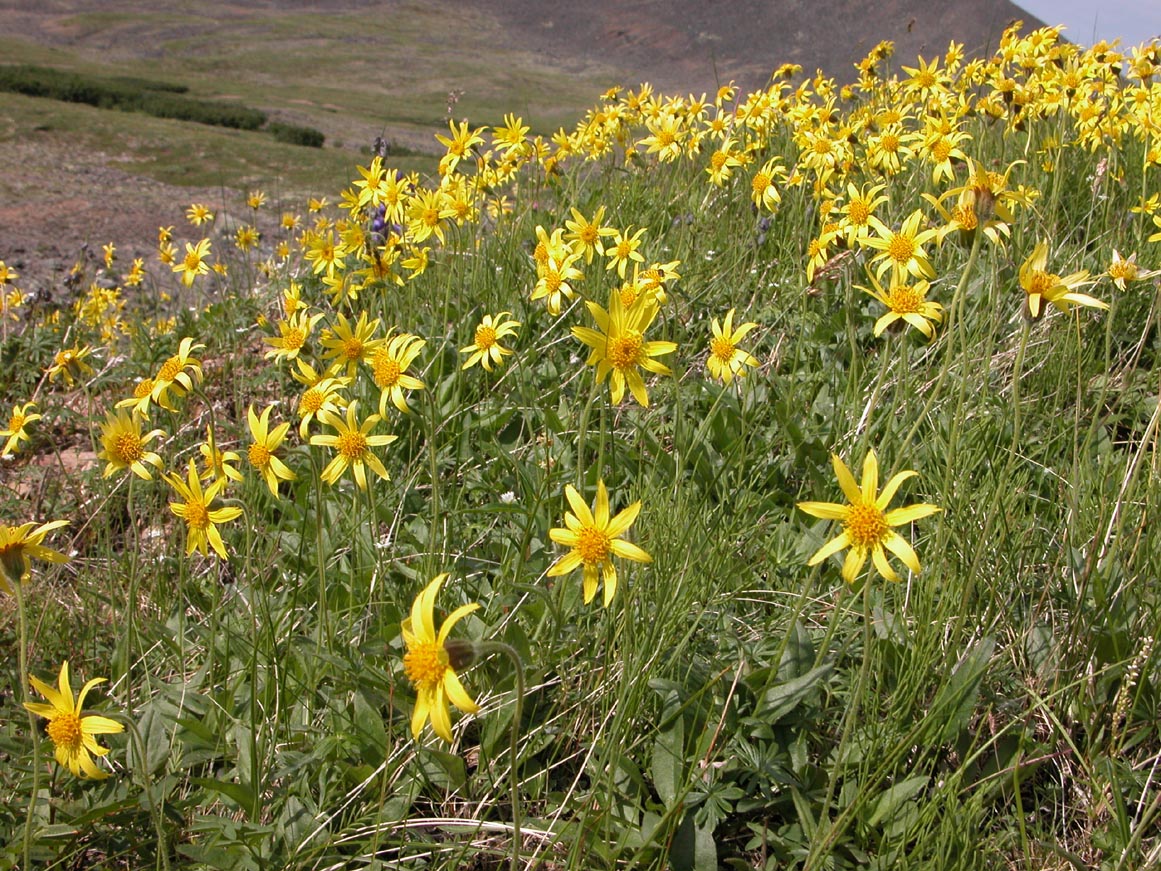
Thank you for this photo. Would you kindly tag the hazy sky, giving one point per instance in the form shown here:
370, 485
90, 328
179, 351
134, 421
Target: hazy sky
1088, 21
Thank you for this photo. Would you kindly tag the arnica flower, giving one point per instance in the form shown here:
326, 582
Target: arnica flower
348, 346
585, 235
907, 302
195, 262
1042, 286
389, 370
429, 666
19, 545
261, 451
124, 447
594, 540
201, 520
71, 364
726, 360
622, 250
902, 251
1122, 271
21, 416
867, 524
178, 373
619, 347
293, 332
352, 443
217, 463
486, 349
73, 735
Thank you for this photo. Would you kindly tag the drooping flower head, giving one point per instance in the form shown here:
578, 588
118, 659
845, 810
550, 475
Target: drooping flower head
18, 546
428, 665
867, 524
1043, 286
73, 734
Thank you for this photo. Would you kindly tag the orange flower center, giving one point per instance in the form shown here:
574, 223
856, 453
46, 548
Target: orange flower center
1126, 270
353, 348
718, 160
310, 403
760, 183
552, 282
901, 248
722, 348
485, 337
1041, 282
866, 525
196, 515
352, 445
941, 150
904, 300
259, 455
128, 448
425, 664
857, 212
169, 369
625, 351
593, 546
588, 234
294, 339
16, 422
143, 388
965, 215
65, 731
387, 371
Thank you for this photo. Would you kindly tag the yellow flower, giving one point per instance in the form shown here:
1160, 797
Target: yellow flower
294, 331
216, 462
173, 374
867, 522
196, 214
124, 445
72, 734
902, 251
322, 394
585, 235
349, 346
19, 544
619, 347
261, 450
907, 302
70, 363
726, 359
486, 349
194, 262
1042, 286
554, 280
428, 664
21, 416
622, 250
199, 517
1122, 271
595, 539
353, 444
389, 370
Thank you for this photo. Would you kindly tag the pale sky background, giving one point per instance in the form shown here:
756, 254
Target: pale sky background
1089, 21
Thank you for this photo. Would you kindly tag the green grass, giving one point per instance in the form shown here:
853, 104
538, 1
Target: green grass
733, 706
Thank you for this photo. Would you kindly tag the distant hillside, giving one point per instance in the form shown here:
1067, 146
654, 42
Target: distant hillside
686, 45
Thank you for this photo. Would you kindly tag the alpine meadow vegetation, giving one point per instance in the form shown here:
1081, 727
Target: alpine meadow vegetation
275, 499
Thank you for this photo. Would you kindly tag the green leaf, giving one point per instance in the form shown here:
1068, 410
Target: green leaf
887, 804
780, 700
956, 699
669, 762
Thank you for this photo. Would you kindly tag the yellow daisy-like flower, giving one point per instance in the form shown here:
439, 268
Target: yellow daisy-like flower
907, 302
293, 332
19, 544
428, 664
901, 251
726, 359
179, 373
217, 463
201, 520
348, 346
389, 371
622, 250
21, 416
1042, 286
619, 346
594, 539
585, 235
1122, 271
194, 263
71, 364
261, 450
73, 734
867, 524
197, 214
486, 349
123, 445
353, 444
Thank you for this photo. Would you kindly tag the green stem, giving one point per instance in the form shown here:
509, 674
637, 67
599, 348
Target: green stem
32, 724
154, 808
483, 649
582, 429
